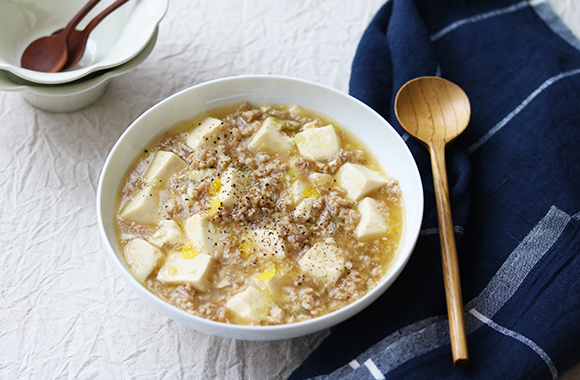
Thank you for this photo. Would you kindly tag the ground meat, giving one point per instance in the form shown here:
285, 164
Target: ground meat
307, 298
350, 287
171, 206
183, 296
349, 217
267, 202
279, 114
251, 115
251, 128
203, 159
269, 167
245, 106
391, 189
277, 315
297, 235
224, 159
336, 204
212, 311
197, 191
301, 163
326, 225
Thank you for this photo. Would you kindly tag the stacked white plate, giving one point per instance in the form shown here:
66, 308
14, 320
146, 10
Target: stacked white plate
119, 43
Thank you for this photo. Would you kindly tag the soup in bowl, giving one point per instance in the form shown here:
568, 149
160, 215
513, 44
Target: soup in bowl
260, 207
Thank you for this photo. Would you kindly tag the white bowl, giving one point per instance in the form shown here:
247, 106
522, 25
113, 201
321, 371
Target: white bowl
116, 40
348, 112
75, 95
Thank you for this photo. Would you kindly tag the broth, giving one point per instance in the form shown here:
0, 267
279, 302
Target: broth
259, 215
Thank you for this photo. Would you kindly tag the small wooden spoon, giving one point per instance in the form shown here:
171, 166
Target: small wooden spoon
77, 39
436, 111
49, 54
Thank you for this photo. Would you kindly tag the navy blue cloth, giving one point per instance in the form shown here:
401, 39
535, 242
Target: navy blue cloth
515, 191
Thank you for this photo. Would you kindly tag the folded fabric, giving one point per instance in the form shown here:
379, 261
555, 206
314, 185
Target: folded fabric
515, 191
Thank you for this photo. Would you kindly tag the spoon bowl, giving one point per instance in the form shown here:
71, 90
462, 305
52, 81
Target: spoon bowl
432, 109
49, 54
435, 111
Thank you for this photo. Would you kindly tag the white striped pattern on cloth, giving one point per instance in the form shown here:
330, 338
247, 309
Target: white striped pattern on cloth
519, 337
547, 83
553, 22
479, 17
374, 370
431, 333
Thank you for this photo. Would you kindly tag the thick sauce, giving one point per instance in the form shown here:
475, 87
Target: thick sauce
259, 215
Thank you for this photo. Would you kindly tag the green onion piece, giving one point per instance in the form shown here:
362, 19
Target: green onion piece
285, 126
337, 221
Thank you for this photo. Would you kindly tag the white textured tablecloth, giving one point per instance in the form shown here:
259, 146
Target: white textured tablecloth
64, 311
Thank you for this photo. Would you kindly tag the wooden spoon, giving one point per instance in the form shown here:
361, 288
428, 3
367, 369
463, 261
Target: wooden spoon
436, 111
77, 39
49, 54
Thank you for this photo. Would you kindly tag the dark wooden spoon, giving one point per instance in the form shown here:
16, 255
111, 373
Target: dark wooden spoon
49, 54
77, 39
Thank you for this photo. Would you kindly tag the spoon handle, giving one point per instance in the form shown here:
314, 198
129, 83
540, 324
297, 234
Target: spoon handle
449, 256
101, 16
79, 16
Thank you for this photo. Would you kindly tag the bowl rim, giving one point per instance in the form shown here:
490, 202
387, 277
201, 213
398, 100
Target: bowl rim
151, 27
272, 332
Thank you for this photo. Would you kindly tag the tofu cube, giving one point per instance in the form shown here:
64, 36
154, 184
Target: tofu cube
274, 285
143, 207
206, 135
251, 304
297, 110
310, 125
163, 166
324, 262
195, 271
142, 257
234, 184
317, 143
372, 223
303, 211
296, 191
168, 232
359, 180
268, 139
269, 244
321, 179
202, 233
